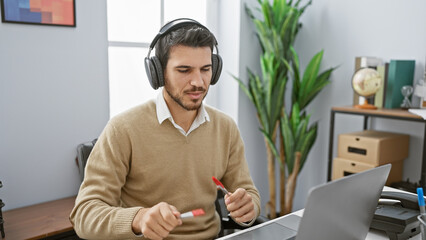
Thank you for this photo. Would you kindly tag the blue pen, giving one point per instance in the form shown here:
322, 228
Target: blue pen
421, 217
421, 200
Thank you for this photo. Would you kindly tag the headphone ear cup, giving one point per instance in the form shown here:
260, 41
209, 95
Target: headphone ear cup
150, 72
216, 68
159, 71
154, 72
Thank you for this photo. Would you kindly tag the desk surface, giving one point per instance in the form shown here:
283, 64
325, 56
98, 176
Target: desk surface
40, 220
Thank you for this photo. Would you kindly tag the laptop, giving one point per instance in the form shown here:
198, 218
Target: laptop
341, 209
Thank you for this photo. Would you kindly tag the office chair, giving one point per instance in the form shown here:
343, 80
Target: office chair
227, 225
83, 152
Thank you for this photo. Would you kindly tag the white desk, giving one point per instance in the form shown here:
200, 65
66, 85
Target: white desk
372, 234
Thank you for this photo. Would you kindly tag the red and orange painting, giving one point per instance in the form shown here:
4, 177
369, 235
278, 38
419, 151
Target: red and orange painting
50, 12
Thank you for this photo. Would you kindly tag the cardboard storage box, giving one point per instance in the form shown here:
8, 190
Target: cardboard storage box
344, 167
373, 147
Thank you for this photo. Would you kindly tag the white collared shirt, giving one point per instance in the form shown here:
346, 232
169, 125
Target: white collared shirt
163, 113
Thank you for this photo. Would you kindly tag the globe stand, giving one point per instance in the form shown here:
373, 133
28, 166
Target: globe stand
366, 82
365, 105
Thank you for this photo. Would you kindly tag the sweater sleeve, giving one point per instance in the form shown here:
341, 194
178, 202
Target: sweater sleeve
237, 174
98, 213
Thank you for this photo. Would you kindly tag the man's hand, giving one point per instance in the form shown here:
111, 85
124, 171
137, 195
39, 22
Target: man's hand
156, 222
240, 205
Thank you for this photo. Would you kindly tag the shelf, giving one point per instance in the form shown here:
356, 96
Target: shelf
381, 112
397, 114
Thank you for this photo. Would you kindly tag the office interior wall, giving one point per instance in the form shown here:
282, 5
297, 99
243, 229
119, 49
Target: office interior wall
229, 36
386, 29
390, 29
249, 52
53, 96
223, 19
238, 47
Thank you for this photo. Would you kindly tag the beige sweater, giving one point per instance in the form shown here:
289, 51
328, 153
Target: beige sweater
138, 163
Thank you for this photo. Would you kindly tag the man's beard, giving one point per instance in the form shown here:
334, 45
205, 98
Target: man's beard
179, 99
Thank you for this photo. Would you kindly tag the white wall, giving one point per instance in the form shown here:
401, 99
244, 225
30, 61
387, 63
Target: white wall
224, 95
247, 121
390, 29
238, 46
346, 29
53, 96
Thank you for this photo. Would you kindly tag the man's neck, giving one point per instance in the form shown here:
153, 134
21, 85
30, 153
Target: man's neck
181, 116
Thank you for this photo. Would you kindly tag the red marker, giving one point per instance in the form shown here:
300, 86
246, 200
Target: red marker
193, 213
220, 185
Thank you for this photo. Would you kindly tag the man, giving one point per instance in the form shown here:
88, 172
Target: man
156, 161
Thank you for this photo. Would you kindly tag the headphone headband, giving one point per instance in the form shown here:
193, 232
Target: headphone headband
173, 25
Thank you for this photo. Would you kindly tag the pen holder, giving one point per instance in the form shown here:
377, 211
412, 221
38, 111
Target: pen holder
422, 218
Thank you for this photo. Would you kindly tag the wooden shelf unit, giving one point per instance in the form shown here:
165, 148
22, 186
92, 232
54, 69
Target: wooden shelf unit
397, 114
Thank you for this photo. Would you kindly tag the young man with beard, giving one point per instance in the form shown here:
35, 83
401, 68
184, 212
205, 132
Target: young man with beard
156, 161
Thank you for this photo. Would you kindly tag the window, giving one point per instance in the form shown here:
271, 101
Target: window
132, 24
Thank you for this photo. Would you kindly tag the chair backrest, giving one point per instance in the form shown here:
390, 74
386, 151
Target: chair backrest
83, 152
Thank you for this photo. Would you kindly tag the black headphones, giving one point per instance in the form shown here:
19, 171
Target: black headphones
153, 66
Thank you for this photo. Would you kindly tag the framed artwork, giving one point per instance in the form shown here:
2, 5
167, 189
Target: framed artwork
41, 12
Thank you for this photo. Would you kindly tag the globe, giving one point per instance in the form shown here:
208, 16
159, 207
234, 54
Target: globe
366, 82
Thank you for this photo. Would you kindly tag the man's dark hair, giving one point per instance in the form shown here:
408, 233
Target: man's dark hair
190, 36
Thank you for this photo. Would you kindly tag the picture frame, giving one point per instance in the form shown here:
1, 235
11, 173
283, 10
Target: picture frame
39, 12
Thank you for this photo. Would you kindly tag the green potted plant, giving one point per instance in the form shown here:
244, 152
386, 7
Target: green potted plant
279, 62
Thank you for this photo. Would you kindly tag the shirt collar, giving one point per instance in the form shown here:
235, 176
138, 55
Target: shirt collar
163, 112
